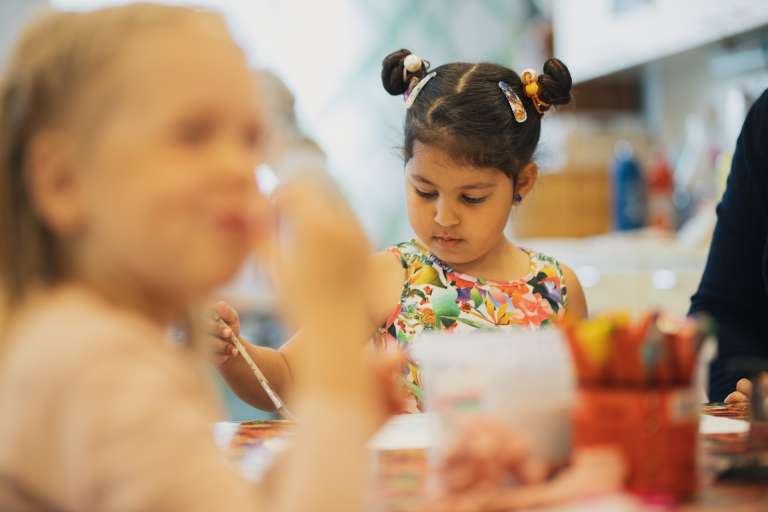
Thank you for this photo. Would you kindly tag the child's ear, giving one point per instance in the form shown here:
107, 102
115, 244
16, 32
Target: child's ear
53, 183
527, 179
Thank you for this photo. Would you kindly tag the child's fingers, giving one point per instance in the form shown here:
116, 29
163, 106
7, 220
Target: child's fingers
219, 330
533, 471
585, 478
744, 386
516, 454
220, 358
386, 370
228, 314
457, 477
222, 350
484, 454
594, 471
220, 347
736, 397
473, 501
742, 394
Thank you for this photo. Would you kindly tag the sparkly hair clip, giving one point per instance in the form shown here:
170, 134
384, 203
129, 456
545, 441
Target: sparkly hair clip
531, 87
413, 92
518, 110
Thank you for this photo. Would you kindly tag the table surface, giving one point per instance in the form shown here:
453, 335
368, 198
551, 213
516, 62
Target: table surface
717, 493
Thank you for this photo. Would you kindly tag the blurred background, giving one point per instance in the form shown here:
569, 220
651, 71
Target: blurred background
630, 172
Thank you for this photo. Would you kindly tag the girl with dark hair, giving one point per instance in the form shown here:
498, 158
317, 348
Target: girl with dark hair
471, 131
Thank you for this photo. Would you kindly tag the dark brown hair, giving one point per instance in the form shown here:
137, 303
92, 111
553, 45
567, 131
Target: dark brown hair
463, 111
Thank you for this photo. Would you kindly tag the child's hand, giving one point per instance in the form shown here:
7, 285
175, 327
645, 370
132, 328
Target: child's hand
319, 257
594, 471
319, 252
387, 371
219, 334
490, 469
742, 394
487, 454
322, 245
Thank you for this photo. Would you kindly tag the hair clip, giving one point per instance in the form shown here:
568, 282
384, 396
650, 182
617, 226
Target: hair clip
531, 87
411, 95
518, 109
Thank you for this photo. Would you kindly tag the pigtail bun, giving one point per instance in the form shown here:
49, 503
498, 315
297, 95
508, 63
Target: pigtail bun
392, 77
555, 83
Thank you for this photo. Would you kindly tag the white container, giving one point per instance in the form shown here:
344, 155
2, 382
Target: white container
525, 378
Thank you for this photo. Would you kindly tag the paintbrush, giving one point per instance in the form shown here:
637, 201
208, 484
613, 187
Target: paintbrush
263, 382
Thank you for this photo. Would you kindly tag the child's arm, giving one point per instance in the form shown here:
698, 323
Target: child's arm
577, 303
236, 371
387, 277
381, 297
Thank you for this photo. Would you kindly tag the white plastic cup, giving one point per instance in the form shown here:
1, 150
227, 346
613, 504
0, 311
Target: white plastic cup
524, 378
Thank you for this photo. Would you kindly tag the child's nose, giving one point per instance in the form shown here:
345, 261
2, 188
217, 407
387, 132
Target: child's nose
444, 214
236, 163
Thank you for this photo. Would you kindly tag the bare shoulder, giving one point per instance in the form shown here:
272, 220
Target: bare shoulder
386, 262
577, 302
386, 284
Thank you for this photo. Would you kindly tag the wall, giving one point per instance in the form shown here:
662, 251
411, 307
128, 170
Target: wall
13, 14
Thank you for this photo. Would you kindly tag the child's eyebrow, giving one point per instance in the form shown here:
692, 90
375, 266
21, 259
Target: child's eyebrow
421, 179
473, 186
470, 186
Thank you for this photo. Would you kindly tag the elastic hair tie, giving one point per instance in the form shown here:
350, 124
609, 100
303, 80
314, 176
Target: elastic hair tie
531, 87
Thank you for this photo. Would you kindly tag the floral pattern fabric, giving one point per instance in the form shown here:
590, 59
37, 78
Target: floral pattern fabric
435, 297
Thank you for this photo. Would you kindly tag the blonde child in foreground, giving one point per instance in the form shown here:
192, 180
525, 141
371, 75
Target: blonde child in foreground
128, 139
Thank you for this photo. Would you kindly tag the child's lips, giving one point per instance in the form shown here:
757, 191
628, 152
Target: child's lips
447, 242
234, 221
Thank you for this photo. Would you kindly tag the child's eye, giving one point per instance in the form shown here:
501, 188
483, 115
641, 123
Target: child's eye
473, 200
253, 137
426, 195
194, 132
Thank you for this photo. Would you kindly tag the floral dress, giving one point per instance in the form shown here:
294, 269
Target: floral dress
435, 297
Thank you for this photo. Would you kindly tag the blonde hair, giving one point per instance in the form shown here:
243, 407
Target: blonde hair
55, 59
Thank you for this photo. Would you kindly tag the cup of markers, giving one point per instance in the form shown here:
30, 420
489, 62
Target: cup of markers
636, 392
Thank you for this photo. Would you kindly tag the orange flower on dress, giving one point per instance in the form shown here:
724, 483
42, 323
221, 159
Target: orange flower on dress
460, 282
513, 289
535, 309
428, 317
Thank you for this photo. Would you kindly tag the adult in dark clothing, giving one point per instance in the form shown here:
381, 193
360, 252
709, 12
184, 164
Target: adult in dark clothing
734, 287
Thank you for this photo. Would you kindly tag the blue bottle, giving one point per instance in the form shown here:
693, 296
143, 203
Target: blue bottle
629, 201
